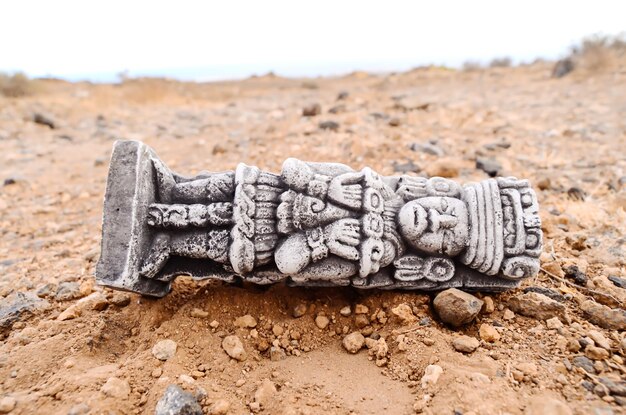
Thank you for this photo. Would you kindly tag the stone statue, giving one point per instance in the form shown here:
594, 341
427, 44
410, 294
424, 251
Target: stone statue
314, 224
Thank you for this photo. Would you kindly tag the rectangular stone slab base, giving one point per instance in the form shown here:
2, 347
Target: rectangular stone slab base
130, 189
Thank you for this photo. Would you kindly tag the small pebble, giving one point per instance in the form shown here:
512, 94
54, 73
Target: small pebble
321, 321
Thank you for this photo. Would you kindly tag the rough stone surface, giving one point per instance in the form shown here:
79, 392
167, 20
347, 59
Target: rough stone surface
164, 349
584, 363
538, 306
234, 348
456, 307
353, 342
17, 306
176, 401
412, 228
465, 344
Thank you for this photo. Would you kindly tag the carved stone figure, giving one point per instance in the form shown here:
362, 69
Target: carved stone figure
314, 224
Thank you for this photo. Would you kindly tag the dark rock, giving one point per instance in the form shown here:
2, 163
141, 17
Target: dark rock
44, 119
563, 67
548, 292
620, 400
329, 125
619, 282
584, 342
539, 306
584, 363
67, 290
18, 305
379, 115
456, 307
407, 167
600, 390
490, 166
312, 110
395, 122
337, 109
573, 272
343, 95
616, 387
587, 385
576, 193
176, 401
425, 321
498, 144
428, 148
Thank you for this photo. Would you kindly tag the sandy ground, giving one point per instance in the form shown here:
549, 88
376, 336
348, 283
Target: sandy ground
68, 355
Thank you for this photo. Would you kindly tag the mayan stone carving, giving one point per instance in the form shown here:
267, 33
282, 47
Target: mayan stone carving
314, 224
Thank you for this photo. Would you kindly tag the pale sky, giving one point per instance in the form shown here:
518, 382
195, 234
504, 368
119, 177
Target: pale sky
230, 39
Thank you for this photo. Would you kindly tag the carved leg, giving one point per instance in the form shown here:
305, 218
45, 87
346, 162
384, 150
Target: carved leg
157, 256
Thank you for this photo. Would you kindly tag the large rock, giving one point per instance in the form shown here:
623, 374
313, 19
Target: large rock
539, 306
17, 306
456, 307
176, 401
603, 316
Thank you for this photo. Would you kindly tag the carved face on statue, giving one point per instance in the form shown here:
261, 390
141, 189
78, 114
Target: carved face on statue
436, 225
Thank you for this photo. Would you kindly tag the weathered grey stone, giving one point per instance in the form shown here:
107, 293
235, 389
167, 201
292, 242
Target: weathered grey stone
18, 305
176, 401
67, 290
314, 224
585, 363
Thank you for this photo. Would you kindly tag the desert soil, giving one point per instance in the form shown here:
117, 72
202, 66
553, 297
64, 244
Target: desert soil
71, 347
